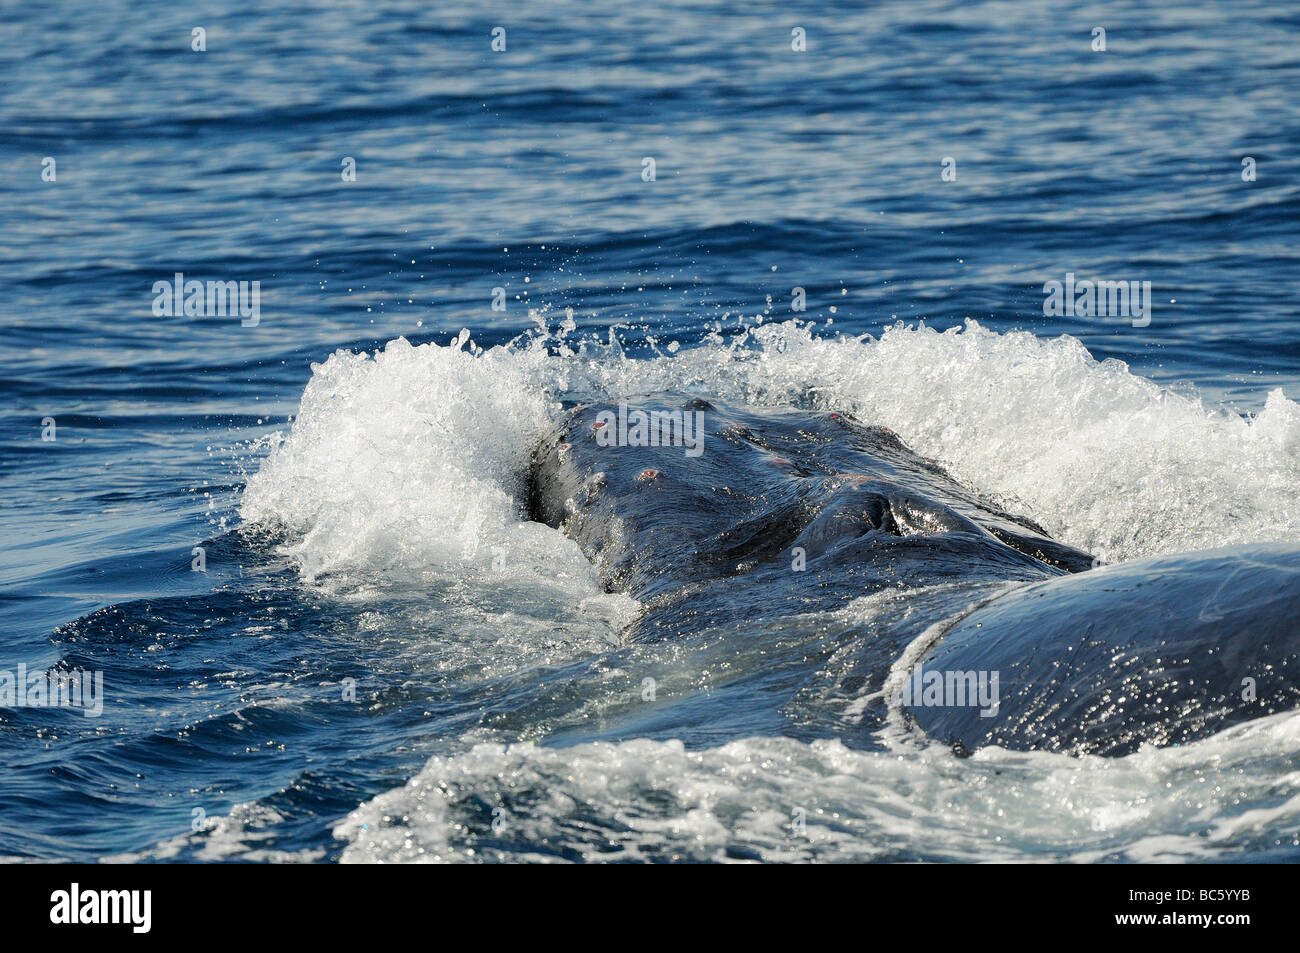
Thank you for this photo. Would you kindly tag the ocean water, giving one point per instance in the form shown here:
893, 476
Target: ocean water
296, 549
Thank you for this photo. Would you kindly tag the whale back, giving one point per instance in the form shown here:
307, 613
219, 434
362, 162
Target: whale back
1158, 651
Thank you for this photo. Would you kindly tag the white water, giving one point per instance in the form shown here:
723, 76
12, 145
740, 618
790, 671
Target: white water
648, 799
414, 458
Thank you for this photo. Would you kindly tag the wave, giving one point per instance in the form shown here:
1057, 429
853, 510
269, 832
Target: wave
413, 459
780, 799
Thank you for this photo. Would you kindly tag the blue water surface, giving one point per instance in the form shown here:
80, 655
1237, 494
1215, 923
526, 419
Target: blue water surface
523, 170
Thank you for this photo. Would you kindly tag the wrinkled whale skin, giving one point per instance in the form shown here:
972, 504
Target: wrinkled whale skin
1088, 662
867, 512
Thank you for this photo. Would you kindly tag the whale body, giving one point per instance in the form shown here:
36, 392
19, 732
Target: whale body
714, 514
1159, 651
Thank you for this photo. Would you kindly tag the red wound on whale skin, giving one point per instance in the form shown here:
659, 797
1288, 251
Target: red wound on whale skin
647, 475
597, 425
564, 446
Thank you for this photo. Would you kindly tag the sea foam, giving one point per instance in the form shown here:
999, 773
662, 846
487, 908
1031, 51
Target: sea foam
414, 458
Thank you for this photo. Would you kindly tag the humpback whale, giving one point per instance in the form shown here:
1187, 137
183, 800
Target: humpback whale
1030, 646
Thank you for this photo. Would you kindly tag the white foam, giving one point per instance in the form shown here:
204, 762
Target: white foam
243, 834
1104, 459
644, 799
411, 458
